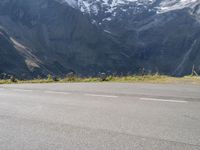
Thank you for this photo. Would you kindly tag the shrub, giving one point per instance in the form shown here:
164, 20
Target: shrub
102, 76
54, 78
49, 77
71, 77
13, 79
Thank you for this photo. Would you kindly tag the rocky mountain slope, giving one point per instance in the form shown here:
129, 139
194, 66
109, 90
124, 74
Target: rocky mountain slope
40, 37
53, 38
159, 35
9, 56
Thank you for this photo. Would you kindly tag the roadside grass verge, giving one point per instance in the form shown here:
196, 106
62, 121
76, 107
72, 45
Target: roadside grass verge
126, 79
5, 82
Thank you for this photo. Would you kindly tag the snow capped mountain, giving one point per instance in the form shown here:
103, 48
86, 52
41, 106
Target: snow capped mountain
101, 11
133, 21
95, 6
90, 6
105, 10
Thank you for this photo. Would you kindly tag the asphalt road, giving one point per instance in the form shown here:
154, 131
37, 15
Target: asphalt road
99, 116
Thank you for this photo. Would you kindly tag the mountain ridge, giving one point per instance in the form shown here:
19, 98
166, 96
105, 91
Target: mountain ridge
57, 37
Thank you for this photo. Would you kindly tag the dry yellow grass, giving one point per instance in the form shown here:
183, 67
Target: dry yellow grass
127, 79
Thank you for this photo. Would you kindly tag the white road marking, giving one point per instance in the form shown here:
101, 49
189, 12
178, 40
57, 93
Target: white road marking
96, 95
163, 100
1, 94
22, 90
54, 92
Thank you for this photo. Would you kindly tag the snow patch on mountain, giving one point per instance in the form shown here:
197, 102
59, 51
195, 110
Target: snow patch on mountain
94, 6
72, 3
170, 5
106, 10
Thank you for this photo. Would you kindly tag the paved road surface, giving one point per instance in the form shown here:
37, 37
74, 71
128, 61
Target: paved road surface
99, 116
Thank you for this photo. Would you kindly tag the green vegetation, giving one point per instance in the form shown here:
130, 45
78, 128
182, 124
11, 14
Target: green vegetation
127, 79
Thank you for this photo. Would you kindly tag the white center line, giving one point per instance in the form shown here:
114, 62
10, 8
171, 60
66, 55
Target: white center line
96, 95
163, 100
54, 92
